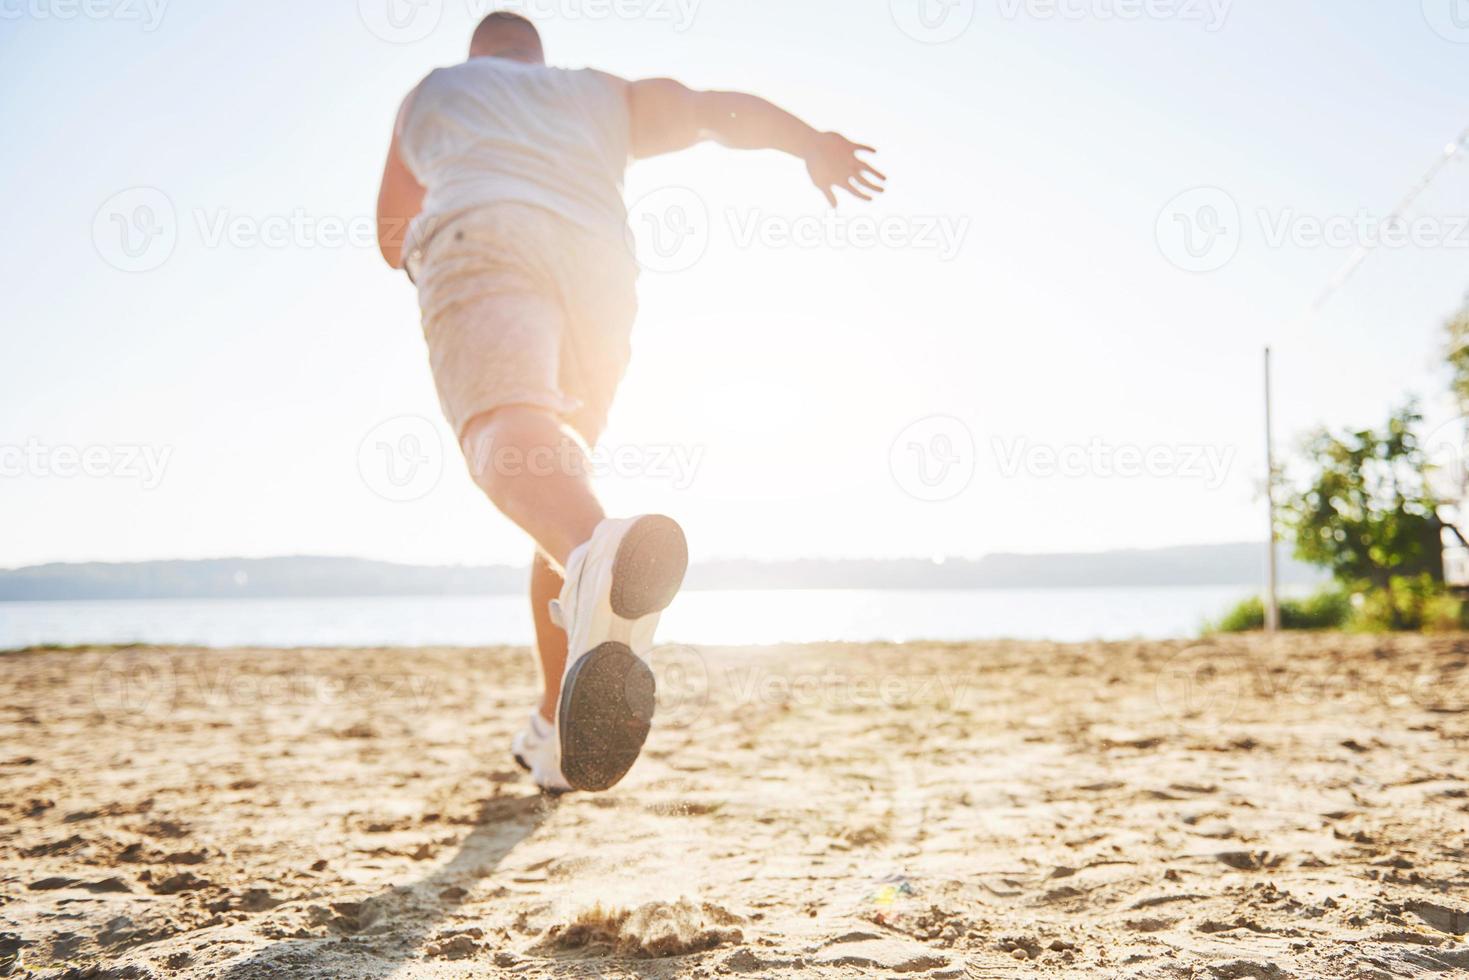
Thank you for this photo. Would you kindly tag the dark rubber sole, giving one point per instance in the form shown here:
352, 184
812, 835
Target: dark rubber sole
650, 564
606, 711
607, 697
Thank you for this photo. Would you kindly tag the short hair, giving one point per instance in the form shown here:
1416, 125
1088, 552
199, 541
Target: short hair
501, 18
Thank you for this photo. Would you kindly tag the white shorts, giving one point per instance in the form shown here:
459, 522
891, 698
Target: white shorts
522, 307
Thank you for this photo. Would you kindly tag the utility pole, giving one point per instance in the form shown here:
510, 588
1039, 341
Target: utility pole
1272, 602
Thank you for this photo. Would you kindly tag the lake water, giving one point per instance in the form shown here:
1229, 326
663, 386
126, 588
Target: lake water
713, 617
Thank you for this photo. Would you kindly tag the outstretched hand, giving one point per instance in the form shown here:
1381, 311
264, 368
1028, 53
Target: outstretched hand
832, 162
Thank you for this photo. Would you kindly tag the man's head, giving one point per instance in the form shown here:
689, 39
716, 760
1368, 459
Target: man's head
506, 35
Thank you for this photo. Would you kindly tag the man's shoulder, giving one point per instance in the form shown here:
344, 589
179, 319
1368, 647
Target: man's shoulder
578, 84
600, 87
605, 77
591, 79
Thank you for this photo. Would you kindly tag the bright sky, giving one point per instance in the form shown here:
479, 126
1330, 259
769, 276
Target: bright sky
248, 390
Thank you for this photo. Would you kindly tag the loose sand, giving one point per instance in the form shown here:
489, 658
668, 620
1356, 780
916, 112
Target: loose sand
1222, 809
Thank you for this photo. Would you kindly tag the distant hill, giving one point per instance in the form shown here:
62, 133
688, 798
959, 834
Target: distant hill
1221, 564
311, 577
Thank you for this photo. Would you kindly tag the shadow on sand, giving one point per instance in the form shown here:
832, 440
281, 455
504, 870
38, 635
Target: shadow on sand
374, 937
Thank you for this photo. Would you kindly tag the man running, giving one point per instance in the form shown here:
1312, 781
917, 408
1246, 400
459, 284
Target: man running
502, 197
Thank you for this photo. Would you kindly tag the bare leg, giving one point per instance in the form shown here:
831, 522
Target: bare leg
545, 585
535, 471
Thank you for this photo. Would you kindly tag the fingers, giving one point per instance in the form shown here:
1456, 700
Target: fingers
856, 191
831, 198
875, 188
866, 166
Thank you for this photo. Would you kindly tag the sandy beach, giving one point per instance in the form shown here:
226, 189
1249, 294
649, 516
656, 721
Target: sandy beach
1218, 809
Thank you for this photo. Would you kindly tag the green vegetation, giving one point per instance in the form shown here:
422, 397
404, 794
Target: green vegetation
1367, 511
1328, 609
1404, 604
1456, 353
1409, 603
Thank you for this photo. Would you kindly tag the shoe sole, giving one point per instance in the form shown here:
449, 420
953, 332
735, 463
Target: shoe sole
650, 564
606, 711
607, 697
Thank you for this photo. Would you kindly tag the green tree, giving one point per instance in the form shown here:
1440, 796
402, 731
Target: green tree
1368, 513
1456, 352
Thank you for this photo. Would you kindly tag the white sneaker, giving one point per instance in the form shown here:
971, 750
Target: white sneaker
617, 584
534, 748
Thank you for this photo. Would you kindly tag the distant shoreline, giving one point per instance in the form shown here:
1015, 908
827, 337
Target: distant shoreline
1095, 587
322, 578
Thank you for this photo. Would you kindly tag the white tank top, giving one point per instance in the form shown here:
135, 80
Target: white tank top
493, 130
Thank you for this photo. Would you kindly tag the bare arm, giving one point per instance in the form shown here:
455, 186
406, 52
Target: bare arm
669, 116
399, 201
